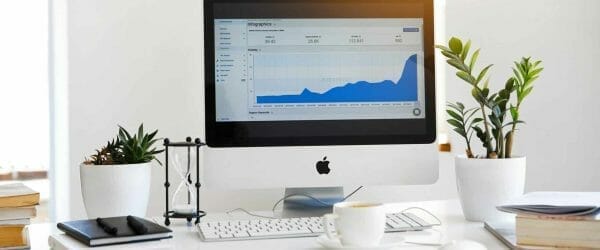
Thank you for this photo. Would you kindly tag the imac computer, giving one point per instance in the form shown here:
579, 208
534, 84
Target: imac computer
312, 95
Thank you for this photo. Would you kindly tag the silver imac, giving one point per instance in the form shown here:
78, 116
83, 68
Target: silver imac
315, 94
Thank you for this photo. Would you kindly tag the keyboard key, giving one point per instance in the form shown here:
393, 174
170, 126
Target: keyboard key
408, 220
241, 234
316, 229
210, 234
416, 219
397, 223
226, 235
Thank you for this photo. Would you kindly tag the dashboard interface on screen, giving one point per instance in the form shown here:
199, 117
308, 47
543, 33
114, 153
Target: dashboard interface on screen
318, 69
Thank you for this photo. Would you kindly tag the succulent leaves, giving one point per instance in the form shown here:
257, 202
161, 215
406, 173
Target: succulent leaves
127, 149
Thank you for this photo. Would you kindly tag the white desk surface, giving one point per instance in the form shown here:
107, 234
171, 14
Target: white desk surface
454, 227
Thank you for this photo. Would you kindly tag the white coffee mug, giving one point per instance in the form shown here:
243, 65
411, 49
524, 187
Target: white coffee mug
359, 224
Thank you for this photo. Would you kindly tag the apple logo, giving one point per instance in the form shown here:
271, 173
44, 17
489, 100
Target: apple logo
323, 166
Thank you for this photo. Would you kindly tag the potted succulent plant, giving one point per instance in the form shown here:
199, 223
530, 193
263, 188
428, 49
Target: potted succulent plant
115, 181
488, 179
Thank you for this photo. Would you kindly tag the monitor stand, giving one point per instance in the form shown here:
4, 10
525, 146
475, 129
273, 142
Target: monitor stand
302, 206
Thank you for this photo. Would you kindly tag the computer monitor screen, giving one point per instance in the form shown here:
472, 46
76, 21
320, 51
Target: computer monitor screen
319, 69
320, 72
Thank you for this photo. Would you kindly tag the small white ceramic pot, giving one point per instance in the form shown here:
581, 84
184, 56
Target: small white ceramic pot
115, 190
483, 184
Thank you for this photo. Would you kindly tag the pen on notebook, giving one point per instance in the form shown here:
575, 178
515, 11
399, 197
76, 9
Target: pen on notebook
136, 225
107, 227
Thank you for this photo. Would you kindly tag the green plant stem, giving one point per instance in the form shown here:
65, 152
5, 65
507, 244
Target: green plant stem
509, 139
487, 131
469, 151
509, 143
500, 143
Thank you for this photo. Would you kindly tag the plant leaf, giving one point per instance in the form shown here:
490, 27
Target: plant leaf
520, 69
470, 114
514, 113
457, 64
526, 92
476, 93
140, 132
443, 48
474, 57
509, 86
454, 115
455, 123
465, 51
465, 76
450, 55
477, 120
483, 72
535, 71
455, 45
518, 76
453, 106
513, 122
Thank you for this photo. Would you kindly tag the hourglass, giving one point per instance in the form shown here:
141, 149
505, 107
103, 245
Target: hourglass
185, 202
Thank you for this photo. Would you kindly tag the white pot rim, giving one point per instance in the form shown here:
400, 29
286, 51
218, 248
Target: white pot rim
115, 165
463, 156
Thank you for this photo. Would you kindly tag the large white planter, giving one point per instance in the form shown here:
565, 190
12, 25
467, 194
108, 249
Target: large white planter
115, 190
484, 184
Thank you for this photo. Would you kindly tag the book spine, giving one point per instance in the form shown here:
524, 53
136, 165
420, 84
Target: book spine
557, 233
74, 233
560, 217
557, 243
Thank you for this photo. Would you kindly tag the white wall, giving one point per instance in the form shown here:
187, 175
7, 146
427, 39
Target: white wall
131, 62
141, 61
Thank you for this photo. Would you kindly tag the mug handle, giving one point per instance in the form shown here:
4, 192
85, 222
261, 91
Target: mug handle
327, 218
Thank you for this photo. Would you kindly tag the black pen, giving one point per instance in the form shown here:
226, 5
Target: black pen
136, 225
108, 228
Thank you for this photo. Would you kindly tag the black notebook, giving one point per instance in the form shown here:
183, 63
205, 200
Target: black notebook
91, 234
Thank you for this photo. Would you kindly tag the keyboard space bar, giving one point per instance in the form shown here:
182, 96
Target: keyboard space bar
261, 235
278, 233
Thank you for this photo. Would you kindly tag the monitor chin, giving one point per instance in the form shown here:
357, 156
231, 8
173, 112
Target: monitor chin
322, 166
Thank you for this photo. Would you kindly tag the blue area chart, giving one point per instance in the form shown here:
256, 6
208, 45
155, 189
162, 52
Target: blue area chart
404, 90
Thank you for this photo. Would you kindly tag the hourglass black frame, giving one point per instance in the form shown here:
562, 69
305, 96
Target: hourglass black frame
171, 213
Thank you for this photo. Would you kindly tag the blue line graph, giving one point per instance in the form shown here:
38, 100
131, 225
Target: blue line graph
402, 90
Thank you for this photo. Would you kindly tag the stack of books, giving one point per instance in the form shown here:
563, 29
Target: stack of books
556, 220
17, 207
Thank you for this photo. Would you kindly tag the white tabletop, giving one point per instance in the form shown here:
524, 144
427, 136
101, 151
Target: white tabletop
454, 227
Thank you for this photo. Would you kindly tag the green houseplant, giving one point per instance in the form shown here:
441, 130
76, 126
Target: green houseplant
127, 149
115, 180
491, 125
485, 180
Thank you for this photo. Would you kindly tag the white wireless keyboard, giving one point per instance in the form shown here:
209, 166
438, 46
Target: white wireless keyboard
255, 229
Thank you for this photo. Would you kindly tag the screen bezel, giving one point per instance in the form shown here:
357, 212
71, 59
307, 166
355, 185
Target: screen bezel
322, 132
